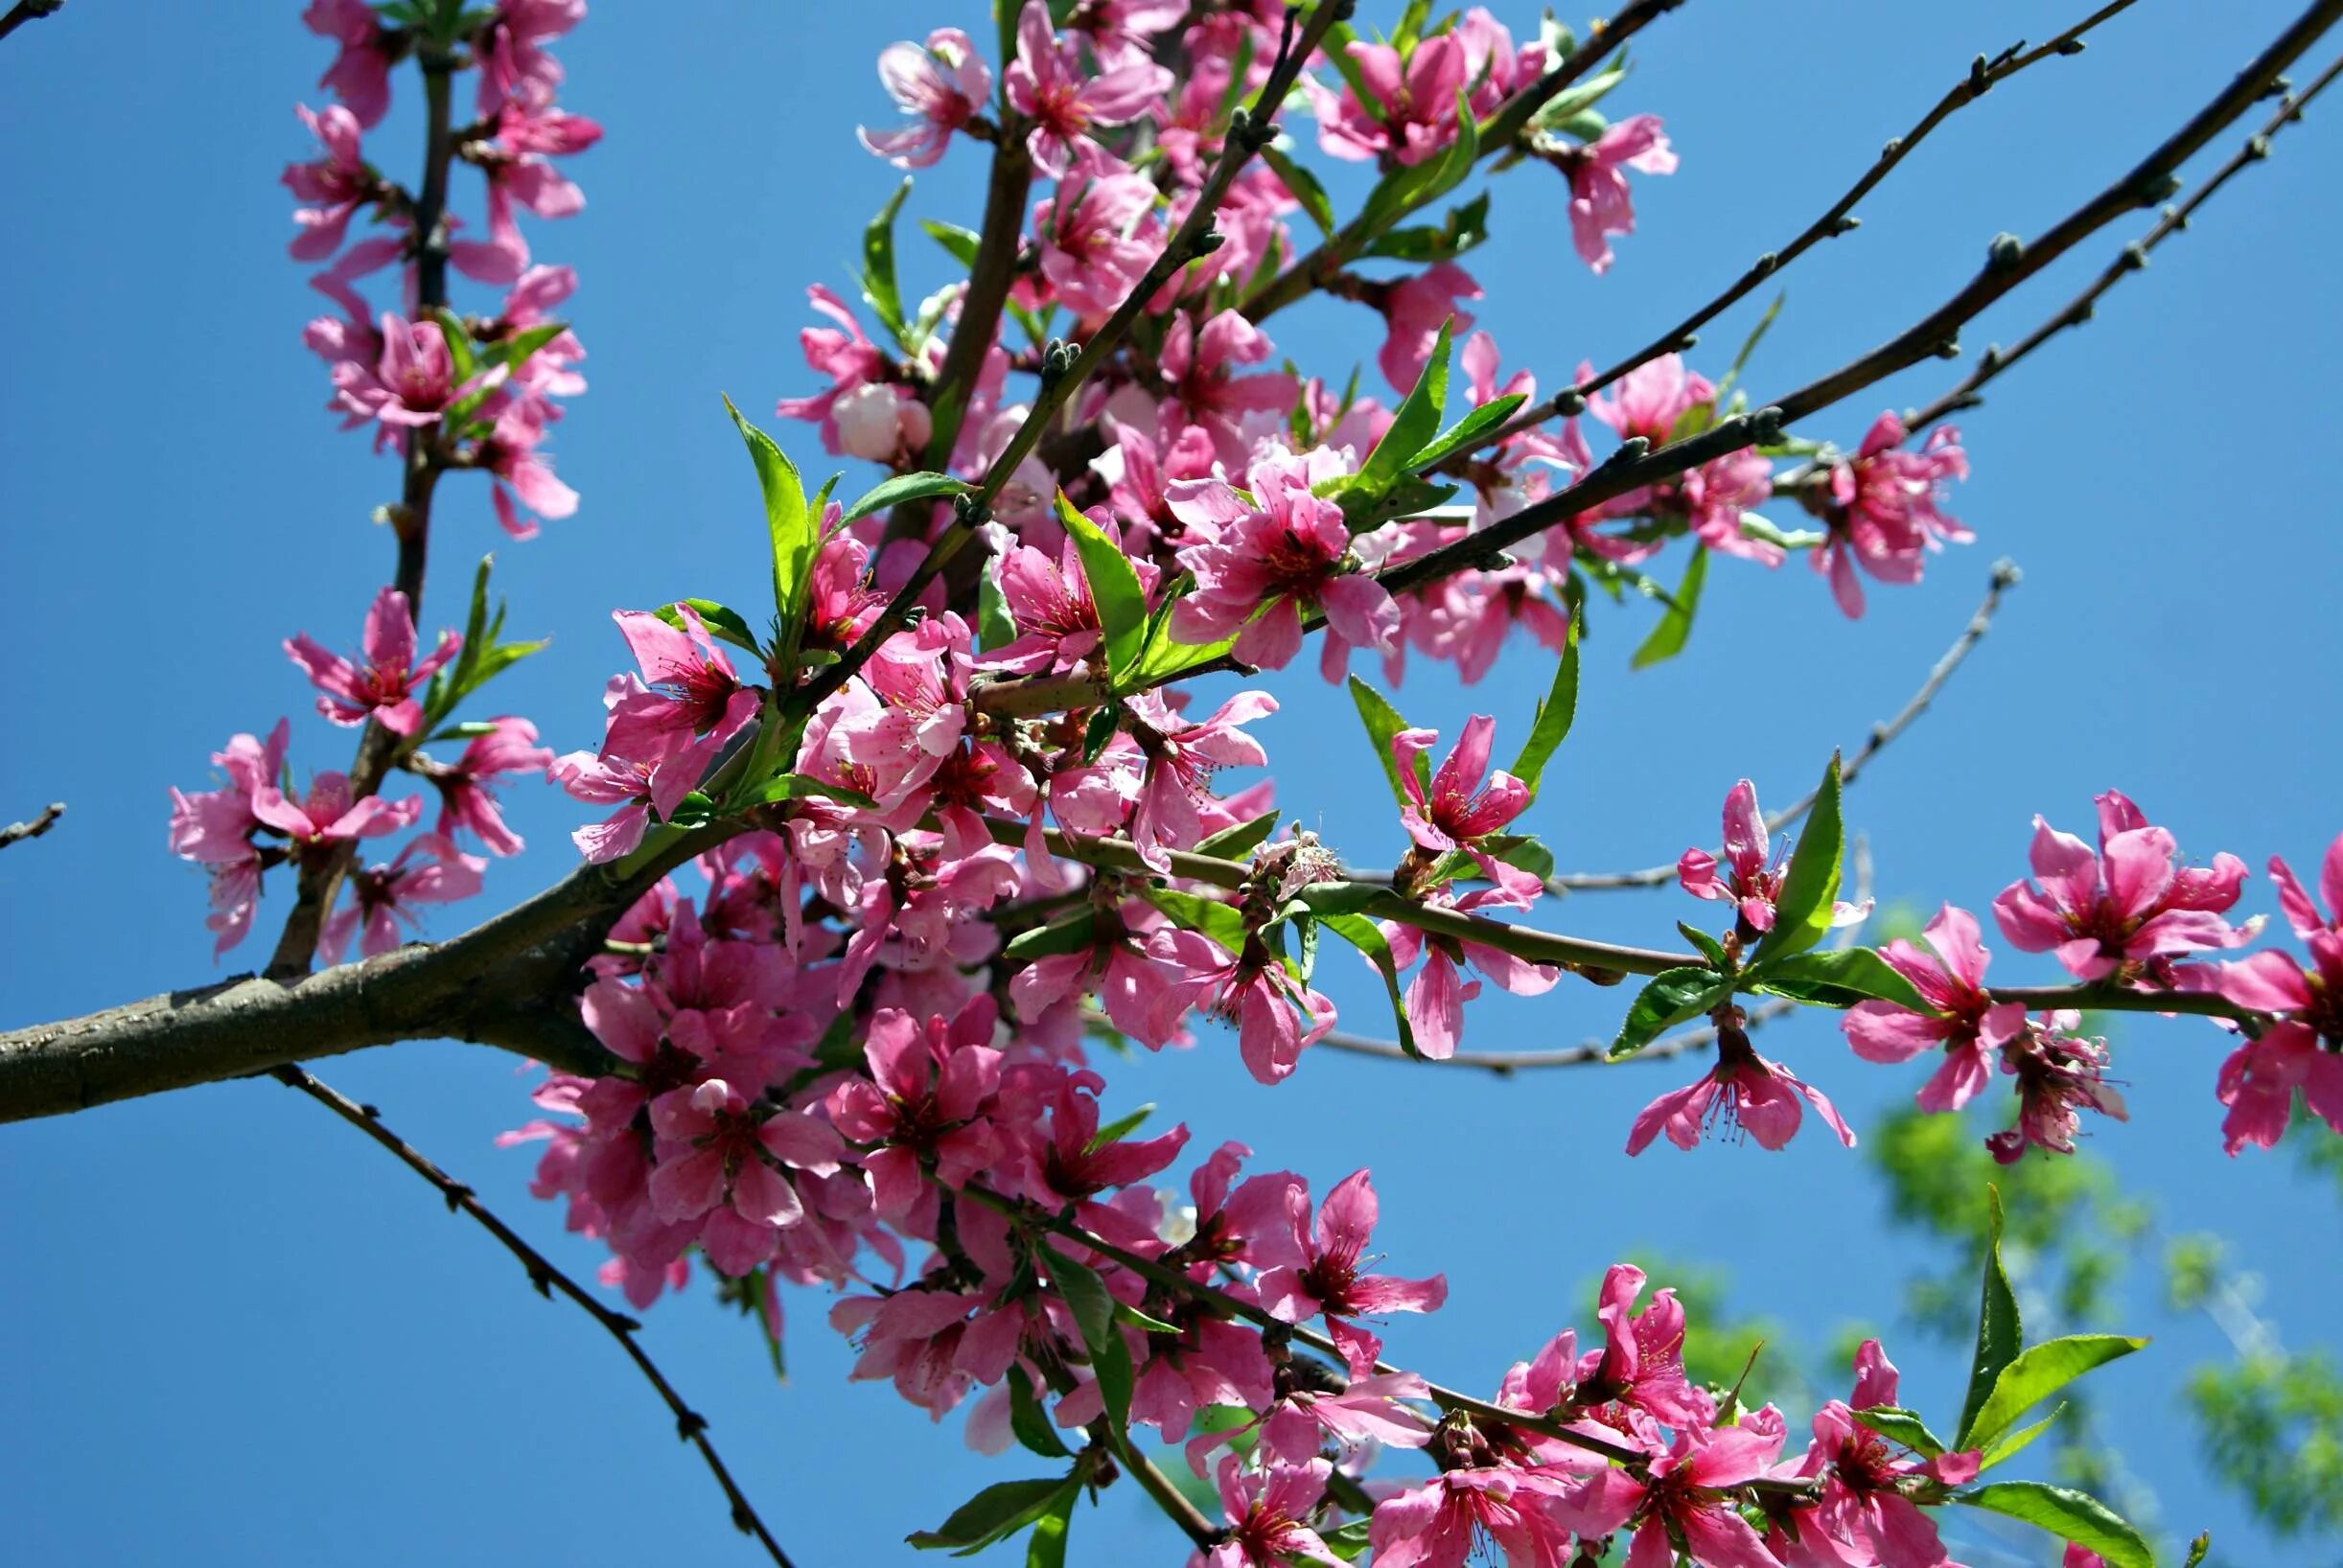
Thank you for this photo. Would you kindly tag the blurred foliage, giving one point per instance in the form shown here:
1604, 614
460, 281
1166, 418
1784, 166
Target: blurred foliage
2272, 1427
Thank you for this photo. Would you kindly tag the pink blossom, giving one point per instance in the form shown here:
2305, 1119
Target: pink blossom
1318, 1270
1181, 759
841, 602
327, 816
2303, 1048
1263, 561
1642, 1364
2129, 910
1416, 95
361, 73
688, 689
1097, 236
1202, 367
1439, 1524
1753, 873
1065, 1163
215, 828
1862, 1505
334, 185
922, 1106
1118, 967
1600, 205
941, 85
606, 780
515, 64
523, 473
715, 1156
920, 678
1744, 1092
1648, 402
467, 798
841, 353
430, 870
1969, 1025
881, 424
411, 385
1050, 85
1267, 1511
2060, 1074
518, 176
1687, 1498
1121, 32
1253, 990
1414, 311
1467, 802
383, 688
1883, 511
1139, 468
1049, 603
1436, 997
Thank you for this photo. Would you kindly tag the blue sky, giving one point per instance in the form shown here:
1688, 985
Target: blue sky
241, 1335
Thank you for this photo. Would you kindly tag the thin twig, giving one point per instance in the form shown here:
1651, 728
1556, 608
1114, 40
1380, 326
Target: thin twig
689, 1425
1168, 1497
1984, 75
2005, 576
27, 11
1995, 359
43, 823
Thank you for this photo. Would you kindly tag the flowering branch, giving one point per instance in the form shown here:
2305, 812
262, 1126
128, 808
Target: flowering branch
1995, 360
42, 821
689, 1425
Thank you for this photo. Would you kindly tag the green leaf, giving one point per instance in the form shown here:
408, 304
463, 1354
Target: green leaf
1000, 1510
1077, 933
1668, 998
1367, 937
1338, 39
1093, 1307
1349, 1541
904, 487
1114, 588
1127, 1313
793, 528
460, 345
1903, 1426
1234, 844
1464, 227
1303, 184
995, 628
878, 283
1383, 722
2069, 1515
1579, 96
725, 625
1029, 1421
1668, 640
2014, 1441
801, 787
1223, 923
1413, 424
2038, 1371
1803, 911
1467, 431
1404, 190
1841, 977
1046, 1547
1555, 712
1119, 1128
1099, 730
960, 245
1749, 345
1340, 897
2000, 1334
1709, 947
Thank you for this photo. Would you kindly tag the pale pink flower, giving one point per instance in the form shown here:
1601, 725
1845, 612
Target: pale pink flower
411, 385
920, 678
1202, 367
1314, 1268
1414, 309
922, 1107
1744, 1092
1138, 468
327, 816
334, 185
1050, 85
1252, 990
383, 688
1884, 509
1440, 1524
1863, 1474
1750, 877
467, 798
1098, 236
1181, 759
2302, 1049
941, 85
1262, 562
515, 64
430, 870
361, 73
1435, 999
1417, 96
2127, 911
1969, 1025
841, 353
1267, 1513
1049, 603
605, 781
1600, 205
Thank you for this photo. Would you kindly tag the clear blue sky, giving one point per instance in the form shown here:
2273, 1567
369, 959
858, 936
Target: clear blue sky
235, 1333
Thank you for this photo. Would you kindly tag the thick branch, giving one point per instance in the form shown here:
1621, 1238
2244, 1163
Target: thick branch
27, 11
42, 821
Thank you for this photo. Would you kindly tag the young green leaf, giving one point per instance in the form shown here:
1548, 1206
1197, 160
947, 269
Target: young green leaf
1075, 934
1749, 345
1667, 639
1466, 430
1810, 888
1383, 722
1045, 1546
1841, 977
724, 624
1902, 1426
1223, 923
1671, 997
1094, 1314
1114, 588
2069, 1515
2012, 1443
878, 283
1349, 1541
2000, 1334
959, 243
1028, 1421
1234, 843
995, 628
1555, 712
1302, 185
1414, 424
800, 787
1708, 946
793, 529
1123, 1126
1364, 934
2038, 1371
998, 1512
903, 486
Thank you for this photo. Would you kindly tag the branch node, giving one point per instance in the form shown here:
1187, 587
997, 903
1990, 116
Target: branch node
1845, 225
2005, 252
2155, 185
690, 1424
1980, 76
1569, 403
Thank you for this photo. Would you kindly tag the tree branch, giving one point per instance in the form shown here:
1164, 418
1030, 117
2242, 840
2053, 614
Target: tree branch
689, 1425
27, 11
42, 821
